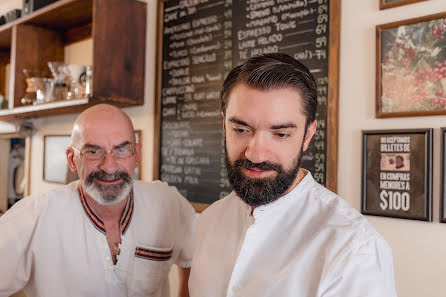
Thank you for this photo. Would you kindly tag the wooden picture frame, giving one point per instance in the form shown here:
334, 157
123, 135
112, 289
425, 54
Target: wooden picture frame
138, 170
325, 24
384, 4
397, 173
411, 67
443, 176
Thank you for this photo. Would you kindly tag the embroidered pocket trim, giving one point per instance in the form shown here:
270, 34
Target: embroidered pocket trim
153, 254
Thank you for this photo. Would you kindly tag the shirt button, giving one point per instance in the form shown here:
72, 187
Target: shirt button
235, 289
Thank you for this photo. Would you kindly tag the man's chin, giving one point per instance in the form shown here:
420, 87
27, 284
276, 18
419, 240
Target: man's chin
108, 194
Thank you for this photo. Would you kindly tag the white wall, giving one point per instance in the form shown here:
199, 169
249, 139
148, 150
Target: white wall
417, 246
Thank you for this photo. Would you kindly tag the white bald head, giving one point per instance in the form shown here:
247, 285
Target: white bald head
101, 118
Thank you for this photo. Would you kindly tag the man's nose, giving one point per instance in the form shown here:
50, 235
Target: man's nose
108, 163
258, 148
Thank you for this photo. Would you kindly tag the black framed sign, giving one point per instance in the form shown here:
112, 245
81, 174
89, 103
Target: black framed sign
199, 42
443, 177
397, 173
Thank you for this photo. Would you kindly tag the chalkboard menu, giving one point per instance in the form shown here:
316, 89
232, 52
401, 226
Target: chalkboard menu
200, 41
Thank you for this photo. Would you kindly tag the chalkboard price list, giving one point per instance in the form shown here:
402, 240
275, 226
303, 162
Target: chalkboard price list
196, 56
298, 28
202, 41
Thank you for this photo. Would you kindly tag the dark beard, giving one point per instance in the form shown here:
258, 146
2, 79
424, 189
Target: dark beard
109, 193
261, 191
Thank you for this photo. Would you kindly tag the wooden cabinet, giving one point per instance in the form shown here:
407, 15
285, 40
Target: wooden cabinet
118, 31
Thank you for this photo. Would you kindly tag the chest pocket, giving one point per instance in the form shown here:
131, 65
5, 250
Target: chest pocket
151, 268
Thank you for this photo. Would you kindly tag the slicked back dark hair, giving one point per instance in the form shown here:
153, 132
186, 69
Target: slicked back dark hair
274, 71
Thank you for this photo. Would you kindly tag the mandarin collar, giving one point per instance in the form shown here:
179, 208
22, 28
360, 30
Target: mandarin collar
264, 211
96, 219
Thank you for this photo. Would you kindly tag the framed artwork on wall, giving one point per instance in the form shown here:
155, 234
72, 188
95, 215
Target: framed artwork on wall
55, 165
397, 173
384, 4
443, 177
411, 67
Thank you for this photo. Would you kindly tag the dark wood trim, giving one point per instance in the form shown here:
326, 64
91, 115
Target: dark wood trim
158, 81
47, 45
119, 28
384, 5
442, 175
333, 95
78, 34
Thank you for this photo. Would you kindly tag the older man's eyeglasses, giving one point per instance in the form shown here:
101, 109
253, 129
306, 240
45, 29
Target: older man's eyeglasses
94, 154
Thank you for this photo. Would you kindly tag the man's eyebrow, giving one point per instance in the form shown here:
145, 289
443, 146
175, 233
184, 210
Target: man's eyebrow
237, 121
284, 126
91, 146
122, 144
95, 146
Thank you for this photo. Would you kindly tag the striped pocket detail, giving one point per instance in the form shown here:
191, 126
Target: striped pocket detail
153, 254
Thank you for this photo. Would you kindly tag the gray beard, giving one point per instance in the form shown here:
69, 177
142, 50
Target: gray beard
105, 198
108, 194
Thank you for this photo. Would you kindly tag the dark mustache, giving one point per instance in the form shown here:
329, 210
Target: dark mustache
245, 163
102, 175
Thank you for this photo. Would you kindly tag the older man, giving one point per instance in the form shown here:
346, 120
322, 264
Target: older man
280, 233
104, 235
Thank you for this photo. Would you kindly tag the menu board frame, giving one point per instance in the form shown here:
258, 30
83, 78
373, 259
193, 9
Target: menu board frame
443, 176
331, 139
400, 181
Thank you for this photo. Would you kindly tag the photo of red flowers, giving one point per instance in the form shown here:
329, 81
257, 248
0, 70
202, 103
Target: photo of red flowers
411, 68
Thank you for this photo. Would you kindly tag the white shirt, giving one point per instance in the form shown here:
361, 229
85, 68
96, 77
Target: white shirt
53, 244
308, 243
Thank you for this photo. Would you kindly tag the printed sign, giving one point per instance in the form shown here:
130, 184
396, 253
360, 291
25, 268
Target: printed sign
397, 174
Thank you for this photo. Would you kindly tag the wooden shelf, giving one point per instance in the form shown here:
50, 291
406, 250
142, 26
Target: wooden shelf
117, 28
34, 110
50, 109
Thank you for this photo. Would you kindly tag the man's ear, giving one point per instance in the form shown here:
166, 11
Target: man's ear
70, 158
310, 133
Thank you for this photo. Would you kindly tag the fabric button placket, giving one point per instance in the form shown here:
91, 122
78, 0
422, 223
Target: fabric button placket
235, 288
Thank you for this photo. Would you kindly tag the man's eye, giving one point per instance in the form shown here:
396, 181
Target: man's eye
122, 150
240, 130
92, 152
282, 135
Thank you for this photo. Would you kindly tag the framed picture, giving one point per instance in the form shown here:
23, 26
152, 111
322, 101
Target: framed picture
384, 4
411, 67
55, 165
397, 173
443, 177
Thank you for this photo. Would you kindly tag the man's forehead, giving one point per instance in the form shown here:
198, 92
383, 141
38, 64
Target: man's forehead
107, 136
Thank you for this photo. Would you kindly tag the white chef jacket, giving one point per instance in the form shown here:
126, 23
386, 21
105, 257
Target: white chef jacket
54, 244
308, 243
